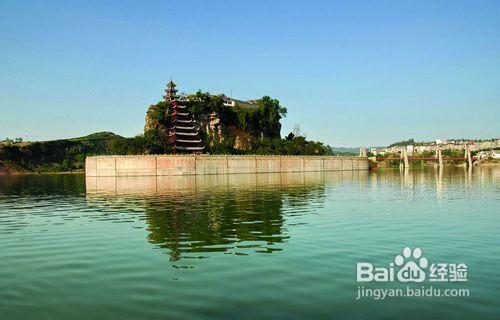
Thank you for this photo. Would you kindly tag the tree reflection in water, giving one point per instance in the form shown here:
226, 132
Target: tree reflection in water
195, 216
223, 221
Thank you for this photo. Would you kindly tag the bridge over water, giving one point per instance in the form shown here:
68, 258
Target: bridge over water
438, 158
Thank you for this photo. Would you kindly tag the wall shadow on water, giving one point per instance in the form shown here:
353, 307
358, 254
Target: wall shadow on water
195, 217
42, 184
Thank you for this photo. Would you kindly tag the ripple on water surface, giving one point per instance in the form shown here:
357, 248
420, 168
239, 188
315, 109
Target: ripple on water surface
244, 246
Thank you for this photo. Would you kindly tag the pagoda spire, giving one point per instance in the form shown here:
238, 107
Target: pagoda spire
171, 91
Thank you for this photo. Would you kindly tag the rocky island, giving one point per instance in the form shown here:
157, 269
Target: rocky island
200, 123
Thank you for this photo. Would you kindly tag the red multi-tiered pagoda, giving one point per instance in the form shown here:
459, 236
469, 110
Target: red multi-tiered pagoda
183, 134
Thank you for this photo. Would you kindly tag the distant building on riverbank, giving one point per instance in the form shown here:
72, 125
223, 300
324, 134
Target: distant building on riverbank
454, 145
493, 154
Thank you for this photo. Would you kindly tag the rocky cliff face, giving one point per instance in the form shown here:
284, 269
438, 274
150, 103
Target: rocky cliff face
157, 118
223, 121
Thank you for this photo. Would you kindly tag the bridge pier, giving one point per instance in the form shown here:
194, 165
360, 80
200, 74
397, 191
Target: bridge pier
468, 157
440, 158
362, 152
405, 158
436, 164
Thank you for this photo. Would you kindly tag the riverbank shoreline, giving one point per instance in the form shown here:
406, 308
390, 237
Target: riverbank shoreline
433, 164
30, 173
488, 163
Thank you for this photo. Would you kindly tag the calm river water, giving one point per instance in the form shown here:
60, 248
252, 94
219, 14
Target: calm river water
267, 246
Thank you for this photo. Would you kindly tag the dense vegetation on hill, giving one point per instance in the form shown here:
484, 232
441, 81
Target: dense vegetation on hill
57, 155
263, 120
149, 144
245, 129
223, 128
409, 142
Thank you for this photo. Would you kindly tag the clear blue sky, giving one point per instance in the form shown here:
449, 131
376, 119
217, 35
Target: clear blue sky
350, 73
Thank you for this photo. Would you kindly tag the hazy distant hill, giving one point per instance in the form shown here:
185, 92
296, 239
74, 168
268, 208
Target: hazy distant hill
104, 135
345, 151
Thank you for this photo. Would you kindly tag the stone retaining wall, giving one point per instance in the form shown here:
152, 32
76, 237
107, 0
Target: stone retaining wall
170, 165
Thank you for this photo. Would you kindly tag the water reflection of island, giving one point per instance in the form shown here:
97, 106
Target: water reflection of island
195, 216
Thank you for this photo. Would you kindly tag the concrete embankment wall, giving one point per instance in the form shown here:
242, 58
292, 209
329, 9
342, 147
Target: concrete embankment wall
169, 165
